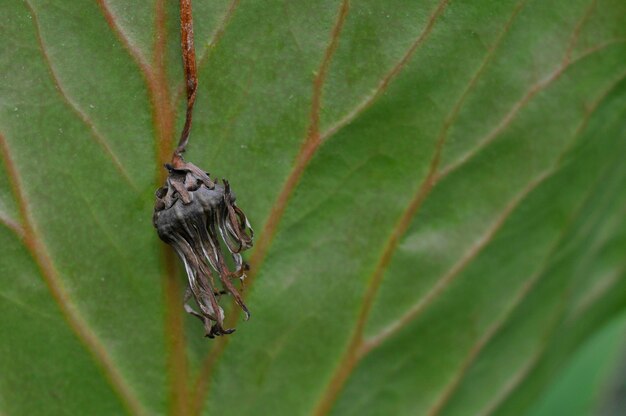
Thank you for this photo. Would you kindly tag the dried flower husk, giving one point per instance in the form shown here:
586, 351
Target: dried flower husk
193, 213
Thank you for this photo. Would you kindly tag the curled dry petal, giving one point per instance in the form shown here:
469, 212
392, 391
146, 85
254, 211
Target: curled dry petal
193, 214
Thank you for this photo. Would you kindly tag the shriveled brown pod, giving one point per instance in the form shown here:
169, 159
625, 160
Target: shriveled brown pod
193, 214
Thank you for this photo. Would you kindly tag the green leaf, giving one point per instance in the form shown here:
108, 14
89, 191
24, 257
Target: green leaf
438, 189
586, 383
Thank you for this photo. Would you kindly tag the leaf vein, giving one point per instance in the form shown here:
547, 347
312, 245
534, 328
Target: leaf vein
415, 309
156, 83
11, 224
134, 52
78, 112
308, 148
35, 245
515, 381
163, 117
354, 351
521, 104
389, 76
530, 282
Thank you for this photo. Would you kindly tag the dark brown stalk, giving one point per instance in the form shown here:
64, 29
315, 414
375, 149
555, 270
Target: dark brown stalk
191, 76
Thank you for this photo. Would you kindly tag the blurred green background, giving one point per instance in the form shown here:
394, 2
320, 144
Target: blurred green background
438, 190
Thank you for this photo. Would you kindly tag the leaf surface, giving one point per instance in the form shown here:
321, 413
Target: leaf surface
438, 190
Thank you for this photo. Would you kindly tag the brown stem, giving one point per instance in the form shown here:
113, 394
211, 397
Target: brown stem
191, 78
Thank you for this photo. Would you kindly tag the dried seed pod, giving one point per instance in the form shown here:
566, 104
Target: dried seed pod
190, 212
